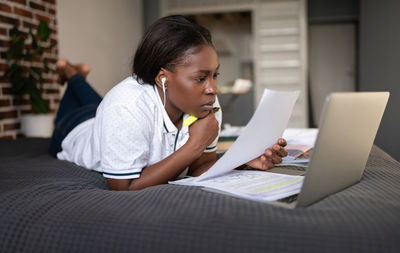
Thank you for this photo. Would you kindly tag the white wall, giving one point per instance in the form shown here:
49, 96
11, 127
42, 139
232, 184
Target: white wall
102, 33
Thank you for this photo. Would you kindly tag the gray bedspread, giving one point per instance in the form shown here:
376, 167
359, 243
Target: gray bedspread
47, 205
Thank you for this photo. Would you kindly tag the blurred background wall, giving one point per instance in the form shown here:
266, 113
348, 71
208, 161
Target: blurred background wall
352, 45
379, 67
102, 33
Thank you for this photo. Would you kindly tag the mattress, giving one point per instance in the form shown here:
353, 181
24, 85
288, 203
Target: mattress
48, 205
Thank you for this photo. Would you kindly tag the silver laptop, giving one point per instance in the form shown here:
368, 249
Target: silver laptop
348, 126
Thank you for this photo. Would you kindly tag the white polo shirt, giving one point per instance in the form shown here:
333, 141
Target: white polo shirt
131, 131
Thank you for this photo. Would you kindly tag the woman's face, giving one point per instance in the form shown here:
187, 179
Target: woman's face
192, 85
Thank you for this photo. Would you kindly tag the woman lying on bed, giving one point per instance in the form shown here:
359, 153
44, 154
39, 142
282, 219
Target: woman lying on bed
135, 136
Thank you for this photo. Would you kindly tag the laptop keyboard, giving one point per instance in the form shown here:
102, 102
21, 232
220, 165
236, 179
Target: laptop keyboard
289, 199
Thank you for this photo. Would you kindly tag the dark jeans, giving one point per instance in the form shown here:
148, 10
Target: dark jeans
79, 103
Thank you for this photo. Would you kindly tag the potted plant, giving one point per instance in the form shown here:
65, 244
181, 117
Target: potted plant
26, 78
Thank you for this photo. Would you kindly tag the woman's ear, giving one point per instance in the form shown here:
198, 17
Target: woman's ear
161, 79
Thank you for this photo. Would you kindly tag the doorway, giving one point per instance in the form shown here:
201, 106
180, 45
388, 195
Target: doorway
332, 63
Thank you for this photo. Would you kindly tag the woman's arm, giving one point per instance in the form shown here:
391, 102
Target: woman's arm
161, 172
202, 164
202, 133
199, 163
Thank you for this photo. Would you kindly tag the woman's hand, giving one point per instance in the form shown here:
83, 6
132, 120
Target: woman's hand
270, 157
204, 131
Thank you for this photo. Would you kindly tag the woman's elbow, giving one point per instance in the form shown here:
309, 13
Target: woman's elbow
119, 184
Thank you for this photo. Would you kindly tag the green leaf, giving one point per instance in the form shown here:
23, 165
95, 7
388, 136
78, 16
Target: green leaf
37, 72
39, 105
14, 33
34, 42
18, 85
9, 55
12, 69
16, 49
43, 31
16, 74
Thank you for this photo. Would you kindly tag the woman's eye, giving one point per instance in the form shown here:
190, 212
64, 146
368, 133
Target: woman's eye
200, 79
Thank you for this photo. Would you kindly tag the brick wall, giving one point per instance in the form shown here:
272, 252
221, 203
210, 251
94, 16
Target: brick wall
25, 14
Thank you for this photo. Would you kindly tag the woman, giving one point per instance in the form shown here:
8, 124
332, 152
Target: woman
136, 136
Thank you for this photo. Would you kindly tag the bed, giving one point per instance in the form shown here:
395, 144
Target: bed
47, 205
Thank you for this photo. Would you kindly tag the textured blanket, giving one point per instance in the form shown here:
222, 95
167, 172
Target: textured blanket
47, 205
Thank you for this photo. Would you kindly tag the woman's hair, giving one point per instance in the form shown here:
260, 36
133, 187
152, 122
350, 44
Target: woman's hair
165, 44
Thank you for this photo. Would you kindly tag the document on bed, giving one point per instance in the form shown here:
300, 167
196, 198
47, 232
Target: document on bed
263, 130
250, 184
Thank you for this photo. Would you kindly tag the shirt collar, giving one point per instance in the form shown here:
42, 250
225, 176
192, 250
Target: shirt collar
168, 125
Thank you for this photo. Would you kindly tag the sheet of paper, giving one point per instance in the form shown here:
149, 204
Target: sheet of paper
263, 130
301, 136
291, 161
231, 131
251, 184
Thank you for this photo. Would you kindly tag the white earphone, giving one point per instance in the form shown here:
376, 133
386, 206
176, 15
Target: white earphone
163, 88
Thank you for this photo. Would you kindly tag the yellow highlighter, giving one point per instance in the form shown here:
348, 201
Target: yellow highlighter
191, 119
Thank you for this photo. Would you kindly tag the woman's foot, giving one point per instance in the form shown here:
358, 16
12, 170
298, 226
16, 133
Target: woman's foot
83, 69
66, 70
